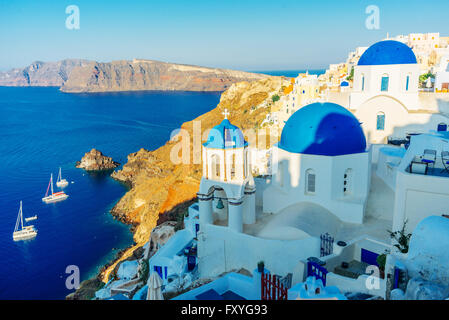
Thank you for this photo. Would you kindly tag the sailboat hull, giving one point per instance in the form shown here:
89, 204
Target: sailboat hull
25, 234
56, 197
62, 183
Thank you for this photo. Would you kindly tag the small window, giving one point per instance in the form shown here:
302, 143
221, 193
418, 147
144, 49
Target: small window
407, 82
215, 163
310, 181
384, 84
347, 181
380, 121
363, 83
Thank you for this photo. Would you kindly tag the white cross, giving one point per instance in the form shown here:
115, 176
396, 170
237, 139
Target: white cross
225, 113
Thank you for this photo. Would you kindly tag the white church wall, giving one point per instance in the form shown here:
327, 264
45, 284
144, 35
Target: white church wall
227, 250
398, 121
374, 149
291, 186
397, 84
261, 185
389, 159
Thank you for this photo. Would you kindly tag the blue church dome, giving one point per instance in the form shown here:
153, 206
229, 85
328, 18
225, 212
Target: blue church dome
326, 129
387, 52
225, 136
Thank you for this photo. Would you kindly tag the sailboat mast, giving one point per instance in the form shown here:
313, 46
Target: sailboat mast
21, 215
18, 218
59, 175
51, 182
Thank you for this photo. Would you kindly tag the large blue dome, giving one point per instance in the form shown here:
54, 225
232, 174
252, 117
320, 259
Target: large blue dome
326, 129
225, 136
387, 52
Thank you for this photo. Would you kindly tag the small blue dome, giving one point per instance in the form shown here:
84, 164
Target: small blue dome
387, 52
225, 136
326, 129
344, 84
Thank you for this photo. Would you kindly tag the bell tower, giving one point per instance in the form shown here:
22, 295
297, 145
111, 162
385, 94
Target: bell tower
227, 190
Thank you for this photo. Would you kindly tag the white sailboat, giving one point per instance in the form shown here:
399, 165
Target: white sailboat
53, 197
61, 183
24, 232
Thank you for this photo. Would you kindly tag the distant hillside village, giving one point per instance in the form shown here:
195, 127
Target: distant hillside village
350, 204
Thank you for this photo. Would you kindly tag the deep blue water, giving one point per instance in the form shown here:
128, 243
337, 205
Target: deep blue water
291, 73
42, 129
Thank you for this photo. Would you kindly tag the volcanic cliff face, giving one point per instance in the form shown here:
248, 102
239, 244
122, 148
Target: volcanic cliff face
90, 76
44, 74
160, 188
151, 75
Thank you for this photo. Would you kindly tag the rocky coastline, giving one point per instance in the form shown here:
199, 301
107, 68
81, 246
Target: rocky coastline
76, 76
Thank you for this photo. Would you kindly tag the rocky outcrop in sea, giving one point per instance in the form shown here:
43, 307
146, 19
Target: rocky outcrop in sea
94, 160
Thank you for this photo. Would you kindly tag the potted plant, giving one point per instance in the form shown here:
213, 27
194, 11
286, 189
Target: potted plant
402, 238
260, 266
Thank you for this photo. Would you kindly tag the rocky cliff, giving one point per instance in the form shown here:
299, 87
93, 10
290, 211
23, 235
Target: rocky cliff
94, 160
151, 75
44, 74
74, 76
161, 189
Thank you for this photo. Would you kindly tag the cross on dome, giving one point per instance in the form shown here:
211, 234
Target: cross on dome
225, 113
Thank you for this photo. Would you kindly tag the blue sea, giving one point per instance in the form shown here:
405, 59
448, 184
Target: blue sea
42, 129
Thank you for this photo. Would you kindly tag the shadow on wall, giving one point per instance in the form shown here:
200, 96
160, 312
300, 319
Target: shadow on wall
310, 218
334, 134
433, 123
337, 134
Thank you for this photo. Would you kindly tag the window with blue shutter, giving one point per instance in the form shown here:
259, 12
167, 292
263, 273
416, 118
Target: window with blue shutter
384, 85
380, 121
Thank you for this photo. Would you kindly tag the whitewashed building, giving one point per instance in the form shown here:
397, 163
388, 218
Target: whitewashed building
334, 190
442, 75
385, 95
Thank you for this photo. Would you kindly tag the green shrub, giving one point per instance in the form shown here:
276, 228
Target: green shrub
381, 261
351, 75
144, 270
402, 238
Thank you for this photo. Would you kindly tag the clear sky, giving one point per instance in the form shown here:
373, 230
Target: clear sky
245, 34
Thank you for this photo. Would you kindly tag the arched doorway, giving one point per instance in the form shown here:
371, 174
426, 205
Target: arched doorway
220, 206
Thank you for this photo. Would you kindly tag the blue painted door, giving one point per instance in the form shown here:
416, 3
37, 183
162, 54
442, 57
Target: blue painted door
442, 127
369, 257
197, 228
158, 269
